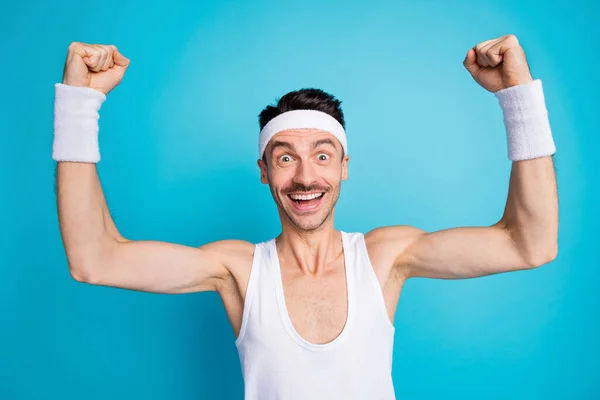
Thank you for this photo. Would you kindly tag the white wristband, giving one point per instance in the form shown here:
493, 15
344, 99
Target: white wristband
76, 123
526, 121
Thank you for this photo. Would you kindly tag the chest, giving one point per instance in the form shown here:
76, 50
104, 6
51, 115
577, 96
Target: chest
317, 307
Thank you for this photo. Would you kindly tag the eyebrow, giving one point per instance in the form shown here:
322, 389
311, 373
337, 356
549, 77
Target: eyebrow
277, 143
314, 145
322, 141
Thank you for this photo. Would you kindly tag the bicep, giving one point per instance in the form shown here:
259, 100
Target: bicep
458, 253
161, 267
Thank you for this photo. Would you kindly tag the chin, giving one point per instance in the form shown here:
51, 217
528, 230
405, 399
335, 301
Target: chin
308, 223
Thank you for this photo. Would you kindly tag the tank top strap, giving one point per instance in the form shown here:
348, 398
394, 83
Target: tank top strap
260, 260
365, 274
350, 266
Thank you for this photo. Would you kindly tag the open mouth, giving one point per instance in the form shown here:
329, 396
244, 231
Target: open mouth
306, 201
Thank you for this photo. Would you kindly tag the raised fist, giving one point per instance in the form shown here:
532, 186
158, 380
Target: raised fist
96, 66
498, 63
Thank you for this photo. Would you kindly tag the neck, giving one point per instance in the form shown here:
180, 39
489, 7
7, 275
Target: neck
311, 252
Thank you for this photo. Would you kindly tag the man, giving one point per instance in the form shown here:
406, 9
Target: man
313, 308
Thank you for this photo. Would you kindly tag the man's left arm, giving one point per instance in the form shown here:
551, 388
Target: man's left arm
526, 235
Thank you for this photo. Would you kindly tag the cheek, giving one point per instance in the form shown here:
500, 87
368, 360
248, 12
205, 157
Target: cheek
279, 180
333, 175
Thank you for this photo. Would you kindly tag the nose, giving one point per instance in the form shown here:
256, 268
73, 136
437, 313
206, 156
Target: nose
306, 173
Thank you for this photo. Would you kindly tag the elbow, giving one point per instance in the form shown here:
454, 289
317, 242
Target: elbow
79, 274
85, 274
89, 267
78, 265
542, 256
534, 252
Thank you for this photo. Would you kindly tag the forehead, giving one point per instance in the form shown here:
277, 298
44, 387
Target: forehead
298, 138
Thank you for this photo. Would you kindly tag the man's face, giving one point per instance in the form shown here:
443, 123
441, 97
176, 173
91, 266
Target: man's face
305, 171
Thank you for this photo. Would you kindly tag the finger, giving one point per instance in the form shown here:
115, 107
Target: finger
495, 53
99, 59
480, 50
482, 57
105, 60
88, 53
94, 57
111, 51
507, 42
470, 62
108, 61
483, 54
80, 48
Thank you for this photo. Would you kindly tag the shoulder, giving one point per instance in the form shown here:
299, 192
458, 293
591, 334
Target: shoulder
386, 244
230, 251
230, 245
396, 237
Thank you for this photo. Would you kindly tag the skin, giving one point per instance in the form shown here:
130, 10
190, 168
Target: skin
309, 247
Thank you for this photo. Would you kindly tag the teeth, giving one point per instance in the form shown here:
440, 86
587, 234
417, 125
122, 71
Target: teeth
305, 196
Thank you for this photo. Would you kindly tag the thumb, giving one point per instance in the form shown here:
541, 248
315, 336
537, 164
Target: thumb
470, 62
121, 62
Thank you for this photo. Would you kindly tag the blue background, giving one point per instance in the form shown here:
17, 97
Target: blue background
179, 141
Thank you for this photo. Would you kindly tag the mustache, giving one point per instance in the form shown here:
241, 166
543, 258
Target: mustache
299, 188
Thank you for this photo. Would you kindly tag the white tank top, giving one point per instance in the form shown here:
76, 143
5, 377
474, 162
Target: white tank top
278, 364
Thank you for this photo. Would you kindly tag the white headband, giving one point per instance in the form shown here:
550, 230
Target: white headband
301, 119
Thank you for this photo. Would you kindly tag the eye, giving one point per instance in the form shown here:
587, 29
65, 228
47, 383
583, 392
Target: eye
323, 156
285, 158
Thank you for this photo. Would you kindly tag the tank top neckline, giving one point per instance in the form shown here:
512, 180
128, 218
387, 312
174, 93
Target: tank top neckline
283, 311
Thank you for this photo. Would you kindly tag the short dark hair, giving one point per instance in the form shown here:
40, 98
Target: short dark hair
303, 99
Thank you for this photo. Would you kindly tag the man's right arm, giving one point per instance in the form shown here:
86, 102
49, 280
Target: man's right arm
98, 254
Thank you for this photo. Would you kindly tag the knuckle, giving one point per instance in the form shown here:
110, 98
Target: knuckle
74, 46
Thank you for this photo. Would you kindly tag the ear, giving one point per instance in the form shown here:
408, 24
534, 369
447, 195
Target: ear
345, 167
263, 172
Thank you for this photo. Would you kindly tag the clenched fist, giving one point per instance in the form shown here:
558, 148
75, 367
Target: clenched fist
498, 63
96, 66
